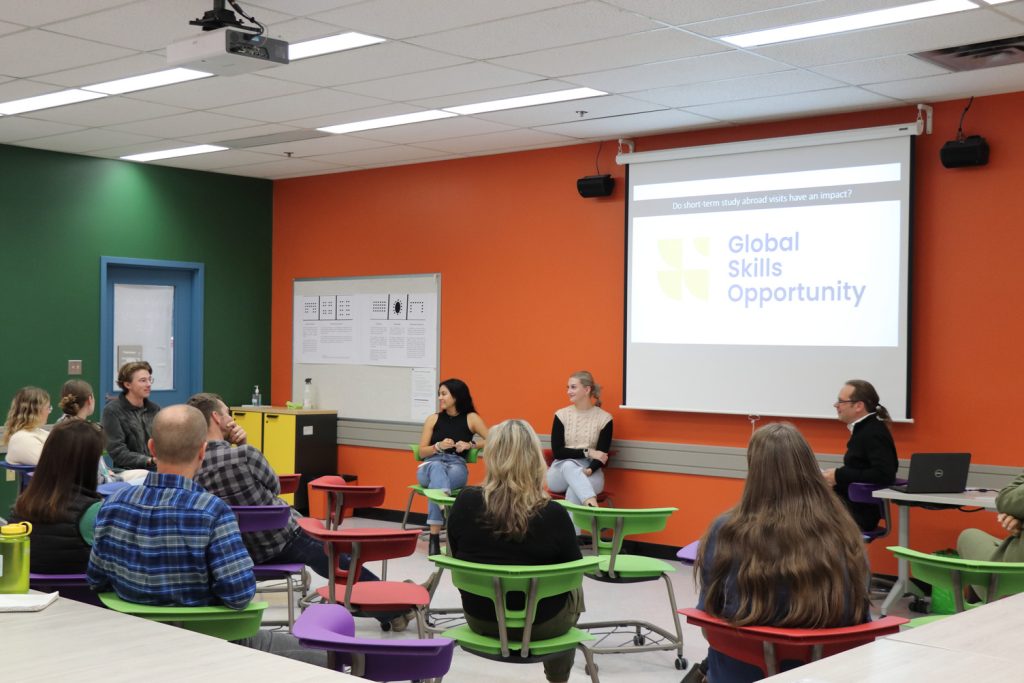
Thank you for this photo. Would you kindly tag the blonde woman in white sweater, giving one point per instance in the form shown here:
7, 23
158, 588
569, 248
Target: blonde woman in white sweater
24, 435
581, 436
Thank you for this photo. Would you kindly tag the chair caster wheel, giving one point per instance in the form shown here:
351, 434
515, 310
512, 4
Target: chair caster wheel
639, 640
919, 605
385, 627
681, 663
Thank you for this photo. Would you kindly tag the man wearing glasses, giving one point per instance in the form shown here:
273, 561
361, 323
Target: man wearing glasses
128, 419
870, 453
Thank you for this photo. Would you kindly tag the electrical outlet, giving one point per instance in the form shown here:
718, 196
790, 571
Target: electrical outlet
74, 367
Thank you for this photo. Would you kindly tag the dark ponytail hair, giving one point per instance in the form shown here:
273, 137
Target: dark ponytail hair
460, 392
863, 391
74, 395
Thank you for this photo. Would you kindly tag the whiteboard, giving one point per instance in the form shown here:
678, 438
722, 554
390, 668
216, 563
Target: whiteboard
371, 345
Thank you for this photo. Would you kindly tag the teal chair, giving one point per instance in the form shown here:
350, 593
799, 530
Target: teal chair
998, 579
217, 621
614, 566
495, 582
417, 490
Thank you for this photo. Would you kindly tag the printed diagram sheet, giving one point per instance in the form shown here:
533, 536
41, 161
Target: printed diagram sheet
396, 328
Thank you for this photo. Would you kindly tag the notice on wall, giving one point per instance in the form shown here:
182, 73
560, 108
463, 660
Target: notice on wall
422, 394
395, 328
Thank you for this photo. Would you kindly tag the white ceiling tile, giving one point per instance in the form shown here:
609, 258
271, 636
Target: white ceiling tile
280, 168
332, 144
105, 112
22, 88
88, 140
440, 82
382, 111
563, 112
788, 14
403, 19
432, 130
36, 13
395, 154
1015, 10
705, 68
138, 148
133, 65
797, 104
352, 66
491, 94
50, 52
16, 128
576, 23
6, 28
494, 142
926, 34
613, 53
647, 123
676, 12
192, 123
164, 23
747, 87
299, 8
224, 136
217, 160
311, 103
219, 91
300, 30
951, 86
880, 70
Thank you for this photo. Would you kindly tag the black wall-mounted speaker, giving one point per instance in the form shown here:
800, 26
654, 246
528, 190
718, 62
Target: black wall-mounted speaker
971, 151
595, 185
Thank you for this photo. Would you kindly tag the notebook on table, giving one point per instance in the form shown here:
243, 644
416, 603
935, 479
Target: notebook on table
936, 473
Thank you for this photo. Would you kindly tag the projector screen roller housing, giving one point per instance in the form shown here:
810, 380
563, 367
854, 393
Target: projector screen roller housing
762, 275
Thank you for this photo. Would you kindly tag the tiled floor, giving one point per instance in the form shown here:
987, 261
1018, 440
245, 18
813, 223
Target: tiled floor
646, 601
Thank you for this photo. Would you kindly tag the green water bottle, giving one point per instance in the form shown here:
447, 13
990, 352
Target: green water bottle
14, 557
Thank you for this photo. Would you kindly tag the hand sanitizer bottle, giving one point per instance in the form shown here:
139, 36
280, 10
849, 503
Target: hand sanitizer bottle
307, 394
256, 400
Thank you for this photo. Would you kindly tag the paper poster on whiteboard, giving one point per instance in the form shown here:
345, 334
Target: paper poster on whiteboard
393, 328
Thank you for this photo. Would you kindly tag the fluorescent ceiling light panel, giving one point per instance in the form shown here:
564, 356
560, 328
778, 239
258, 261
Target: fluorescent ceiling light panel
171, 153
527, 101
153, 80
995, 2
323, 46
893, 15
387, 121
54, 99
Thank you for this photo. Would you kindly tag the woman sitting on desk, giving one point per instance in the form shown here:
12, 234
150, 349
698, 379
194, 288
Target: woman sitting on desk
788, 554
511, 520
24, 435
444, 446
61, 501
580, 438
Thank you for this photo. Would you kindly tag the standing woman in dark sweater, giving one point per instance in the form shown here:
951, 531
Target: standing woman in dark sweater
61, 501
444, 446
511, 520
580, 439
128, 419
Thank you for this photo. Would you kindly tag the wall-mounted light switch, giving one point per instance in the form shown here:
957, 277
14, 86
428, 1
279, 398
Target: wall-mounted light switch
74, 367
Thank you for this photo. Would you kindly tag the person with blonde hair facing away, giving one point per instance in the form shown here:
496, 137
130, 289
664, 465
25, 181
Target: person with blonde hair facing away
510, 520
581, 436
24, 435
787, 555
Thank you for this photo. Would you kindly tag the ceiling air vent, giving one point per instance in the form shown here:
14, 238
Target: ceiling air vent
977, 55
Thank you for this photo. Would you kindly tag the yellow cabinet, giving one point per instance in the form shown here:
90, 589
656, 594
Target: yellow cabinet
252, 422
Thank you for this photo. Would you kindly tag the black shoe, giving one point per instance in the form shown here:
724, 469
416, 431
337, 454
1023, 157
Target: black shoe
434, 544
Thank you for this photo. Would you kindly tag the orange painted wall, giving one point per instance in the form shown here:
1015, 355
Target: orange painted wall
532, 289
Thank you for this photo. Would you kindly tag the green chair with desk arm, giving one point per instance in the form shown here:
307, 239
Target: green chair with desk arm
216, 620
417, 490
440, 618
999, 579
614, 566
536, 582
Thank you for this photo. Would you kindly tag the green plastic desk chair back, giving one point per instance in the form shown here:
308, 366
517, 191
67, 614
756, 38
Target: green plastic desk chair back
495, 582
622, 522
217, 621
998, 579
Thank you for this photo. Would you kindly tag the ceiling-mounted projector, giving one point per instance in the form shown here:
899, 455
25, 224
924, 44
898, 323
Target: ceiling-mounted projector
227, 52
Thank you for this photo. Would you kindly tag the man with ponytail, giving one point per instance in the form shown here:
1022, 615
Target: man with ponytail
870, 453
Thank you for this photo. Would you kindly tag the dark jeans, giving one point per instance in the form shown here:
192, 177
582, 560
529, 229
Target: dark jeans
556, 668
310, 552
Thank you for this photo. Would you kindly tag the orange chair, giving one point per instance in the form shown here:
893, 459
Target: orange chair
766, 647
342, 498
605, 496
289, 483
369, 598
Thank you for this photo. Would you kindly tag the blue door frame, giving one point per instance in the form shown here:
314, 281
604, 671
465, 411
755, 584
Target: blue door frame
188, 315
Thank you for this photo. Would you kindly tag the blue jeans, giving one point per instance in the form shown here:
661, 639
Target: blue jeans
310, 552
446, 471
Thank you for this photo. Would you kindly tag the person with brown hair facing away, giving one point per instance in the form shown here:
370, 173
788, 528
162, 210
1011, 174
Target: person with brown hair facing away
24, 435
788, 554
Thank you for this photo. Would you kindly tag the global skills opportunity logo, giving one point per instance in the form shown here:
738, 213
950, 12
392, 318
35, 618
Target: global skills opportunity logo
687, 267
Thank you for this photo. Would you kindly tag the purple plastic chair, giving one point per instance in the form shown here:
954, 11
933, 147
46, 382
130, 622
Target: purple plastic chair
688, 553
860, 492
22, 472
267, 518
71, 586
332, 628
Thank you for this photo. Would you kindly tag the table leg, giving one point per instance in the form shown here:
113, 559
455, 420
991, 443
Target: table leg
902, 566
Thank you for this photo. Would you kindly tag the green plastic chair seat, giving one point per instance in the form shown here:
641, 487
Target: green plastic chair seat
439, 496
474, 642
635, 566
1000, 579
217, 621
924, 621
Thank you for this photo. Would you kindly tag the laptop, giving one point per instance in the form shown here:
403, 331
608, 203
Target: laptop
936, 473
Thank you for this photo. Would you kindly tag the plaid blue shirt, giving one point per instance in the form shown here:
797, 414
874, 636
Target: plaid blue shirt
170, 542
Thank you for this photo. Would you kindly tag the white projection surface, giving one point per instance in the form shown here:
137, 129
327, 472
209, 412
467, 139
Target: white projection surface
762, 276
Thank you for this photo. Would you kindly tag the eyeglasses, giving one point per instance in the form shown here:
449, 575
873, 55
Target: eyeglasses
847, 400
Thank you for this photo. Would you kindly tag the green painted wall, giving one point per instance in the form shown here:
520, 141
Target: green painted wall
59, 213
